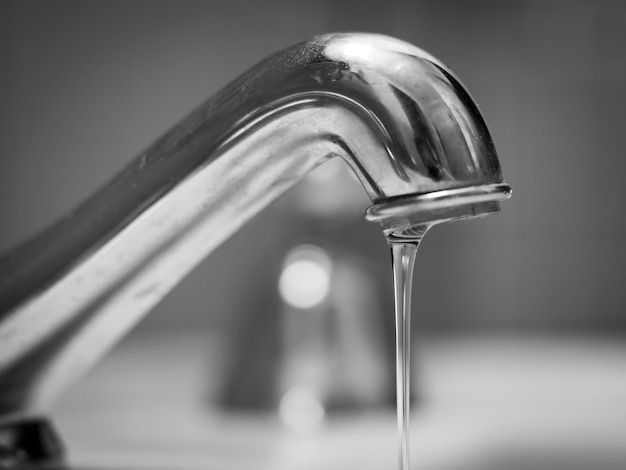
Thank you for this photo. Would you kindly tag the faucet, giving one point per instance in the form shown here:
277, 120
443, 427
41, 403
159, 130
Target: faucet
400, 119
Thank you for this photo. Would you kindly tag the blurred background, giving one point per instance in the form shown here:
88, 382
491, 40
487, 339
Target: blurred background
519, 318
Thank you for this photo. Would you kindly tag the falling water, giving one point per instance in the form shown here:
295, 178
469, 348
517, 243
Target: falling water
403, 251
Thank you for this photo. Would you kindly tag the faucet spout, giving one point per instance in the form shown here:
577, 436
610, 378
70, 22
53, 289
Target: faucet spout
398, 116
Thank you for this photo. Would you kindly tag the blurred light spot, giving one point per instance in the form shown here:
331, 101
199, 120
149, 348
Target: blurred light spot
300, 409
305, 280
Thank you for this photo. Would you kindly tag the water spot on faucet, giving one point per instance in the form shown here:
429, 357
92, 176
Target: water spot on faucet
142, 162
333, 72
146, 291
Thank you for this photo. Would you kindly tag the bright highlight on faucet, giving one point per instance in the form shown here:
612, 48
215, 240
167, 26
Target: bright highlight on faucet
305, 280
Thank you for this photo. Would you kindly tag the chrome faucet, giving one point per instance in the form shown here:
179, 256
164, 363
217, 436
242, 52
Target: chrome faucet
395, 114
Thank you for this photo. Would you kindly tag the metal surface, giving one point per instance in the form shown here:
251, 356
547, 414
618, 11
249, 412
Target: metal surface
397, 115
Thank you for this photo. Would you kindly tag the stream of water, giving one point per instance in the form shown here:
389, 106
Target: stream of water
403, 259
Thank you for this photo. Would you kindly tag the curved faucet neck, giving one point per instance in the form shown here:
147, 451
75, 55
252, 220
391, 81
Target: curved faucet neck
396, 115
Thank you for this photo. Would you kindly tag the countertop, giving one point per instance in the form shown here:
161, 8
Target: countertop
485, 402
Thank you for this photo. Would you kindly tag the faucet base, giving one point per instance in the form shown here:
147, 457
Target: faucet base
31, 444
